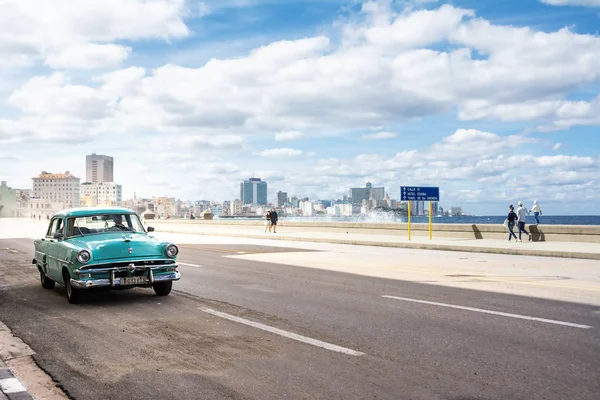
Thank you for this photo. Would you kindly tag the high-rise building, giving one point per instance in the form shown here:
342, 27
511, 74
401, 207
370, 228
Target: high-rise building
357, 195
99, 168
57, 188
253, 191
281, 198
295, 202
417, 207
101, 193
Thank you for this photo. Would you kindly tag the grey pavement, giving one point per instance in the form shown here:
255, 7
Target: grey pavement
492, 246
133, 345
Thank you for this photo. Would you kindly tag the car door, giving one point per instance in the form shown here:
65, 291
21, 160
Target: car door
41, 250
53, 247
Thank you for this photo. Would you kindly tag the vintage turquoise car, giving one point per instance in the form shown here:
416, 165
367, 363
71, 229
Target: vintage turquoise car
88, 248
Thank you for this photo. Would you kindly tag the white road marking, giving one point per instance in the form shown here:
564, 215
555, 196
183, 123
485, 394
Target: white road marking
281, 332
11, 385
190, 265
548, 321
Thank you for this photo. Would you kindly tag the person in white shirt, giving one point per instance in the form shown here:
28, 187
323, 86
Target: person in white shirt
522, 218
537, 211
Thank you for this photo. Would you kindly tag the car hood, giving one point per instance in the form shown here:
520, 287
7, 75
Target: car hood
110, 246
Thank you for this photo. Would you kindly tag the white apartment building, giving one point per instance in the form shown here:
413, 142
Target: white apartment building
101, 194
57, 188
237, 207
307, 208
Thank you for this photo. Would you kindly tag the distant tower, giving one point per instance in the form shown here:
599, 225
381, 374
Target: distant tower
99, 168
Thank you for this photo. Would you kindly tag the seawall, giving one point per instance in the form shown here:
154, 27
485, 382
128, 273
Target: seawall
541, 233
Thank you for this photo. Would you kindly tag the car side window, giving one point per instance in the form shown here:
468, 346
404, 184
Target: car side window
59, 226
51, 228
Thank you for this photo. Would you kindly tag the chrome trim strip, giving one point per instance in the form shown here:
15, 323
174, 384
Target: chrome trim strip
59, 259
93, 283
87, 270
88, 266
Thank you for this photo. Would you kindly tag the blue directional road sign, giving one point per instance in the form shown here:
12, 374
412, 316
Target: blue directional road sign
419, 193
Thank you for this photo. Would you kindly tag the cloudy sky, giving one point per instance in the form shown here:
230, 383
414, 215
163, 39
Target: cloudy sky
493, 101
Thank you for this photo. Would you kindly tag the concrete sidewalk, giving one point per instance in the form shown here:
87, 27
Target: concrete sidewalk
20, 377
549, 249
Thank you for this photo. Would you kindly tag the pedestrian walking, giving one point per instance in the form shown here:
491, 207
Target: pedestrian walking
268, 221
537, 211
512, 220
522, 218
274, 218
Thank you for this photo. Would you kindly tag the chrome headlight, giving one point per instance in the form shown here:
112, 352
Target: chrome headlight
84, 256
172, 250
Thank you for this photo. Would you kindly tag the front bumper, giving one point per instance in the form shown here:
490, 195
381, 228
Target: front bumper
114, 282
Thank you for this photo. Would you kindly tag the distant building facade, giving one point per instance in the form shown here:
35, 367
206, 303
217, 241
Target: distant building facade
101, 193
237, 207
8, 201
57, 188
253, 191
281, 199
357, 195
99, 168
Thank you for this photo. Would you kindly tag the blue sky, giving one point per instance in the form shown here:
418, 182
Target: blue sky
493, 101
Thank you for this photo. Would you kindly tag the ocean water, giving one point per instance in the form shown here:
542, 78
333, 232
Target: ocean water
498, 219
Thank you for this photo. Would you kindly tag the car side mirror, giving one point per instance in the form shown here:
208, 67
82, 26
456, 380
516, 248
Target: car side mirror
58, 235
150, 229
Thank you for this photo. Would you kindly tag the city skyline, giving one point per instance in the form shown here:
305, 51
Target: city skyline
498, 104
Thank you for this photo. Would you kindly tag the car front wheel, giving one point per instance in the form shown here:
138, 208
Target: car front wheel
47, 283
73, 294
163, 288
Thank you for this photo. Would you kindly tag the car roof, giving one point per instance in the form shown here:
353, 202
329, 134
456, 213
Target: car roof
89, 211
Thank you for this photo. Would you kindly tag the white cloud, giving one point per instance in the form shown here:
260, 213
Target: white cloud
557, 146
382, 76
379, 136
556, 114
586, 3
288, 136
64, 31
283, 152
88, 56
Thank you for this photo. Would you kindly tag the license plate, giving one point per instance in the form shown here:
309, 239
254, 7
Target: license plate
134, 280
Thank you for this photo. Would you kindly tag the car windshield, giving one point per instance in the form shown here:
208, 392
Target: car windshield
106, 223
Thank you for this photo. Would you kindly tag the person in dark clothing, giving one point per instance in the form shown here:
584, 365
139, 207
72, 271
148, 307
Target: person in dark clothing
512, 219
274, 218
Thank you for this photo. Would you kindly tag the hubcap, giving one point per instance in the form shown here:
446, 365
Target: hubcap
68, 285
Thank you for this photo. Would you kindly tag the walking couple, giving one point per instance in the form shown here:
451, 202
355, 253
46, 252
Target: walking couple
519, 218
271, 218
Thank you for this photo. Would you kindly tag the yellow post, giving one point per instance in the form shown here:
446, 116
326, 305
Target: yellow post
409, 220
430, 226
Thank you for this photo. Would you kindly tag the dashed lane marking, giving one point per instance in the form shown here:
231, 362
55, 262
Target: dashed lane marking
481, 310
190, 265
281, 332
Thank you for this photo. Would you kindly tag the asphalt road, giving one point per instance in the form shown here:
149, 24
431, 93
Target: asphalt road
227, 332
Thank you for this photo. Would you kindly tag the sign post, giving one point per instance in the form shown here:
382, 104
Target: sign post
430, 223
409, 220
418, 193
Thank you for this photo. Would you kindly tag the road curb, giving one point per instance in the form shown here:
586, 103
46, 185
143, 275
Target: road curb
417, 246
10, 386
